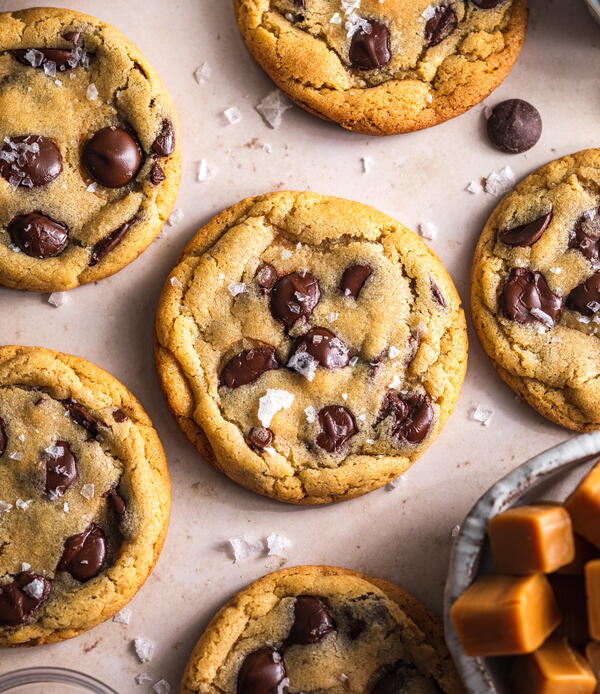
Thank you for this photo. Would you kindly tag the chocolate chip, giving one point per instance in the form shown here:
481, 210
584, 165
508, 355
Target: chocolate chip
402, 679
488, 4
514, 126
526, 234
370, 50
156, 175
585, 298
116, 501
299, 4
38, 235
81, 415
266, 276
437, 294
337, 426
354, 278
61, 58
30, 161
61, 468
585, 236
247, 366
165, 140
440, 26
526, 291
103, 247
20, 599
119, 415
312, 621
354, 625
72, 37
84, 554
324, 347
410, 415
294, 296
260, 437
262, 672
112, 157
3, 437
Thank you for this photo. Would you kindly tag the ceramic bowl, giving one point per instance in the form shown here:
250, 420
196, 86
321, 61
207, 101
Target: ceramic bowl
551, 476
51, 680
594, 6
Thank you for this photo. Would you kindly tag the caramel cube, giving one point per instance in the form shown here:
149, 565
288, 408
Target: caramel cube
555, 668
584, 507
592, 589
532, 539
505, 615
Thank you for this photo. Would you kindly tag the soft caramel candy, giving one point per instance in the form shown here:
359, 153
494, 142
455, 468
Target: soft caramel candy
569, 592
555, 668
592, 589
584, 551
584, 507
532, 539
505, 615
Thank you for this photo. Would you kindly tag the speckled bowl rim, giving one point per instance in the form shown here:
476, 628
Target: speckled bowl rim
468, 545
52, 675
594, 6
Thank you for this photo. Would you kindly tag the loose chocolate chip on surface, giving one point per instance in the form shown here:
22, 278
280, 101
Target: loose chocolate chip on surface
585, 236
354, 278
61, 468
526, 234
81, 415
526, 291
60, 58
116, 501
156, 175
165, 140
3, 437
294, 296
119, 415
262, 672
101, 249
20, 599
324, 347
370, 50
585, 298
30, 161
84, 554
266, 276
437, 294
410, 415
337, 426
38, 235
312, 621
260, 437
514, 126
112, 157
440, 26
247, 366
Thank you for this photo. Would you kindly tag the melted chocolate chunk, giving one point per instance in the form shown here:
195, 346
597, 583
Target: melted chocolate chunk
527, 291
437, 294
337, 426
247, 366
440, 26
103, 247
63, 59
119, 415
3, 437
514, 126
165, 140
354, 278
21, 599
585, 298
312, 621
81, 415
370, 50
112, 157
156, 175
61, 468
354, 625
260, 437
410, 415
262, 672
526, 234
585, 236
84, 554
30, 161
72, 37
299, 4
294, 296
116, 501
37, 235
324, 347
266, 277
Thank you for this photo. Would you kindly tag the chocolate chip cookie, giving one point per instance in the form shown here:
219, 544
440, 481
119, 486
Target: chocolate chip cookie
84, 496
382, 67
536, 290
316, 628
89, 162
310, 347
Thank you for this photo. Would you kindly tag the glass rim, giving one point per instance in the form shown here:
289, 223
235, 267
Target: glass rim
48, 675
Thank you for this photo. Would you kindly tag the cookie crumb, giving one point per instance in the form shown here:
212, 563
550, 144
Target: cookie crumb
273, 106
143, 649
123, 616
57, 299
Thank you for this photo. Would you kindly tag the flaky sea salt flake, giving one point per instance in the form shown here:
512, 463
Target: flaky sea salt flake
87, 491
236, 288
543, 317
202, 73
277, 544
5, 506
473, 187
500, 181
204, 173
311, 414
161, 687
175, 217
481, 414
271, 403
142, 678
303, 363
92, 92
143, 649
245, 549
35, 589
22, 504
57, 299
393, 352
367, 164
390, 486
273, 106
428, 230
232, 115
123, 616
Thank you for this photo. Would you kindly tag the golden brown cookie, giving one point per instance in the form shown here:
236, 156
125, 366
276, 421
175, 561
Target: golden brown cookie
84, 496
325, 629
536, 290
382, 67
89, 163
310, 347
